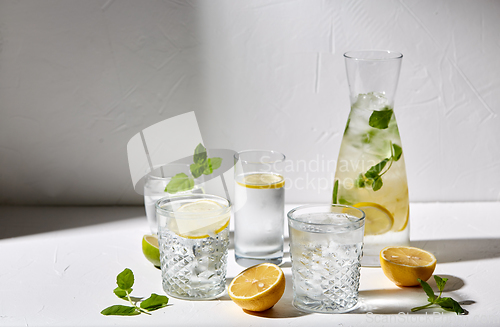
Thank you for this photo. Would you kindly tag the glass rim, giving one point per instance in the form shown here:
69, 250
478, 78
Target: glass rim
376, 55
221, 211
306, 206
237, 156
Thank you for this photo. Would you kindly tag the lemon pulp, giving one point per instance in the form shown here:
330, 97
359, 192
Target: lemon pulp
258, 288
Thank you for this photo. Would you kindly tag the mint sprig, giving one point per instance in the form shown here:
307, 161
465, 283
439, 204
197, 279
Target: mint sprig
447, 303
202, 165
125, 281
373, 176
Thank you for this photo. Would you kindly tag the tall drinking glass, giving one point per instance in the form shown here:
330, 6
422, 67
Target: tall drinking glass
326, 245
259, 207
193, 235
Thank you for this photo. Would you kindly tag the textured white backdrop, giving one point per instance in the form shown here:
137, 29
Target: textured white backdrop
79, 78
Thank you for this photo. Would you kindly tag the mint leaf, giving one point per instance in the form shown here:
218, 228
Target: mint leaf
397, 152
368, 136
200, 154
197, 169
154, 302
125, 280
208, 168
215, 162
440, 282
178, 183
380, 119
120, 310
377, 183
120, 293
428, 290
344, 201
374, 171
335, 192
360, 181
449, 304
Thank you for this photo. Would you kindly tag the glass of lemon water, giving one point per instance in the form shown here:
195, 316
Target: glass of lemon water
193, 236
326, 246
259, 207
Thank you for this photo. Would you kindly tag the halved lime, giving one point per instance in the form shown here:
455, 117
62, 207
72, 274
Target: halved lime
151, 250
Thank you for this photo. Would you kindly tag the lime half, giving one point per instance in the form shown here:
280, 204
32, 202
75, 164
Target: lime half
151, 250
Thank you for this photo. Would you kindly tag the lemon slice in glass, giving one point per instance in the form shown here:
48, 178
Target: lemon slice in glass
403, 265
200, 219
378, 219
263, 181
258, 288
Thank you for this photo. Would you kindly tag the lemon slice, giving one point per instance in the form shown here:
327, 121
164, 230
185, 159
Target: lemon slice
404, 264
199, 219
406, 220
263, 181
378, 220
199, 206
258, 288
151, 250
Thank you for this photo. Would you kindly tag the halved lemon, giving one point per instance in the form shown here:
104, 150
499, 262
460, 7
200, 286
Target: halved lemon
151, 250
199, 219
378, 220
258, 288
404, 264
263, 181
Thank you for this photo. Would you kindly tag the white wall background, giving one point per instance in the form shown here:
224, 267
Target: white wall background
79, 78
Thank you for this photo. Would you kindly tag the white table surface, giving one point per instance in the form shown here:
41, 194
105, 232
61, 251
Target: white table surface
59, 267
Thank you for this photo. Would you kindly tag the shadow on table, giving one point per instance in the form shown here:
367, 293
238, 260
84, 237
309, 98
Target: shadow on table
27, 220
386, 301
401, 300
455, 250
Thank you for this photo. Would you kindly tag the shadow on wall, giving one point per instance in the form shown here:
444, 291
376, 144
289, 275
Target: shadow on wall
22, 221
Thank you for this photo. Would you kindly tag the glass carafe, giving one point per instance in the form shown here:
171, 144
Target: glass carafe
371, 173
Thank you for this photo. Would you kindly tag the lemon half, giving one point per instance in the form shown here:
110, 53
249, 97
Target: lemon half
258, 288
378, 220
404, 264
